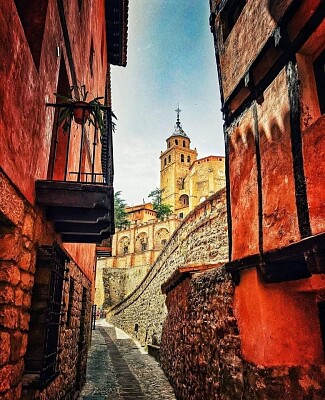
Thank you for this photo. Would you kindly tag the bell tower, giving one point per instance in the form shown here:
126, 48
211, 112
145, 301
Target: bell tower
175, 164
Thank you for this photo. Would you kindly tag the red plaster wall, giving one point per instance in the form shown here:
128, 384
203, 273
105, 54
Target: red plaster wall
314, 165
265, 311
25, 121
243, 188
280, 224
254, 26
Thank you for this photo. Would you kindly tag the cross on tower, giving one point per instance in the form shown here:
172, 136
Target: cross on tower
178, 110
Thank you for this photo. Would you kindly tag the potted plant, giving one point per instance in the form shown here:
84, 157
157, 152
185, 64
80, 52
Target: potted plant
82, 111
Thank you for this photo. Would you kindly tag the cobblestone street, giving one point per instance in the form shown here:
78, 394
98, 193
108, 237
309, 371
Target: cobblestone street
119, 369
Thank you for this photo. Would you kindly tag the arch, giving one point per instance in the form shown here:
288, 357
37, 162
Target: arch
161, 238
184, 200
123, 246
141, 242
182, 157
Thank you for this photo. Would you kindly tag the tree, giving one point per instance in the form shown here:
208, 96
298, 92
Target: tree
120, 215
163, 210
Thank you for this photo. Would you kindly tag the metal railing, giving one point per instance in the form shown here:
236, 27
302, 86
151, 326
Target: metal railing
80, 151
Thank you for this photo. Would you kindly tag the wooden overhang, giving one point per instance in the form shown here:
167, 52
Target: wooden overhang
117, 31
81, 212
181, 273
296, 261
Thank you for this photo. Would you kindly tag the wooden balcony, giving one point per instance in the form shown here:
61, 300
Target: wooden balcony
78, 195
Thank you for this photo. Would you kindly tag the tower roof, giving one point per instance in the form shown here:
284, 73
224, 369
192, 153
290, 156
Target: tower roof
178, 130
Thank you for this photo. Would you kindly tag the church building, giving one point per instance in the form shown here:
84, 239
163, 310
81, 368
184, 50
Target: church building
185, 182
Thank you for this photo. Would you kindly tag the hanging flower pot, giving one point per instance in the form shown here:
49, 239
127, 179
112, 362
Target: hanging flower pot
80, 114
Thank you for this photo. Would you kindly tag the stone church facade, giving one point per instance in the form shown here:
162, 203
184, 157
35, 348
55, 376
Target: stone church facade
185, 181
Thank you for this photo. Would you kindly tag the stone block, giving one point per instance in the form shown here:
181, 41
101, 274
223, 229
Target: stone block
6, 294
10, 204
5, 347
24, 321
26, 280
25, 260
18, 345
27, 299
10, 246
18, 297
9, 273
9, 317
28, 226
4, 378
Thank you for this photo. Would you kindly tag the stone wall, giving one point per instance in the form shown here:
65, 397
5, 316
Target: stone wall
201, 238
22, 231
201, 349
120, 282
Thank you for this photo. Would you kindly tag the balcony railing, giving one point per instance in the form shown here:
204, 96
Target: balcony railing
80, 152
78, 193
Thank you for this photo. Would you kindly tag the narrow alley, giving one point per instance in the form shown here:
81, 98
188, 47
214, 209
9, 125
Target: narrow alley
118, 368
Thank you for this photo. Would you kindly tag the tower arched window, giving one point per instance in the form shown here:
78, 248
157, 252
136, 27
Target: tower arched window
182, 157
188, 159
184, 145
169, 158
184, 200
165, 161
168, 144
176, 142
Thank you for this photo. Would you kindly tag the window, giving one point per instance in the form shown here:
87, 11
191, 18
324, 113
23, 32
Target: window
182, 157
32, 16
184, 145
70, 304
169, 159
180, 215
163, 242
229, 15
41, 357
319, 71
168, 144
143, 246
188, 159
176, 142
165, 161
125, 250
184, 200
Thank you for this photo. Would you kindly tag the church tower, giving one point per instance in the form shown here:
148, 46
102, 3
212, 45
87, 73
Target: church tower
175, 164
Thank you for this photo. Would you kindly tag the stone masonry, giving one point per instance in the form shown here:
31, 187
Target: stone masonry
201, 349
201, 238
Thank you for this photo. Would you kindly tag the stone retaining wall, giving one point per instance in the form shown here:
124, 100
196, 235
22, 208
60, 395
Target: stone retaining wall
201, 238
201, 349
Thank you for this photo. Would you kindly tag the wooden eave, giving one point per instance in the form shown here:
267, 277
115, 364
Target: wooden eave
81, 213
117, 31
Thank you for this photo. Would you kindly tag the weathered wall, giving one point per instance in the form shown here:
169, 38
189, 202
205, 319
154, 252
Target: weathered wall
201, 349
73, 343
22, 230
201, 238
33, 52
120, 282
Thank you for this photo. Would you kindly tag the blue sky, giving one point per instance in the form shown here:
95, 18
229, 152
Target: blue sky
170, 60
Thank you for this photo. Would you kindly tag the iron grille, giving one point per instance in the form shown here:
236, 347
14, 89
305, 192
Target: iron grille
80, 152
43, 340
